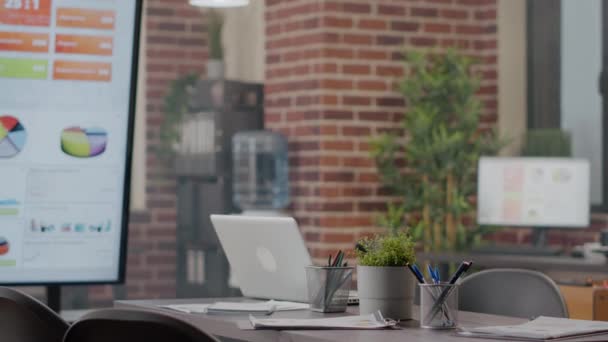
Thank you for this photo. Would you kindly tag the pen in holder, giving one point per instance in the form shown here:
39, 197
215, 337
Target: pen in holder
328, 288
438, 306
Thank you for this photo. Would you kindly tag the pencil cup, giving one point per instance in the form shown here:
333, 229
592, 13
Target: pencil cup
438, 306
328, 288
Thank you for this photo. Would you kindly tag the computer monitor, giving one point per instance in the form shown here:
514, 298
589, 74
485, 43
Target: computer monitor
533, 192
67, 73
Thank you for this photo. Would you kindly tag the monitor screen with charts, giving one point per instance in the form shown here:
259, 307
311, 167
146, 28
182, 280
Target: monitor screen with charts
537, 192
67, 73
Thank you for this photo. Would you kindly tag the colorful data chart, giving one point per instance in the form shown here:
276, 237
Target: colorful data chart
4, 246
84, 142
41, 227
24, 42
86, 18
12, 137
23, 68
81, 71
9, 207
25, 12
85, 45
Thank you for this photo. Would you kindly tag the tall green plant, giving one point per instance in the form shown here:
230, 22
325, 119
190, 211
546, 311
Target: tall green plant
440, 150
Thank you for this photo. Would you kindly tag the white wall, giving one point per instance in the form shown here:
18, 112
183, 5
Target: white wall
512, 73
244, 39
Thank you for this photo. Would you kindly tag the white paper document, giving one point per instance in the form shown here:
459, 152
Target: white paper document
541, 329
238, 307
366, 322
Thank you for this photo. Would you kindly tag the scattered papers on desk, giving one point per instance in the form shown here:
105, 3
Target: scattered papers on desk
238, 307
541, 329
366, 322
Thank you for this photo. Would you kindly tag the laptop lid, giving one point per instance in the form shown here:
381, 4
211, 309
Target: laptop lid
267, 255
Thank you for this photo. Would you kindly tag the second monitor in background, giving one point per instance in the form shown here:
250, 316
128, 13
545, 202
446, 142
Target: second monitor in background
541, 193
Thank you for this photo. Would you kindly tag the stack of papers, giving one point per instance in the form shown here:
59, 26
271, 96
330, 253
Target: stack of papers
542, 329
366, 322
238, 307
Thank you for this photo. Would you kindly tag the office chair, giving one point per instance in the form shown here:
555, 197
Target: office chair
511, 292
119, 325
25, 319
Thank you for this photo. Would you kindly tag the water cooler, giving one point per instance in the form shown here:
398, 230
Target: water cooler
260, 173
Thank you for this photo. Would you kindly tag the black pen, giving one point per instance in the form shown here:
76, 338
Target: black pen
334, 263
464, 266
339, 258
420, 280
460, 271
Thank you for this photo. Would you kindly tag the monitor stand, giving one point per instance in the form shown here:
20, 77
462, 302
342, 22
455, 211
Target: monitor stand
53, 297
539, 237
540, 241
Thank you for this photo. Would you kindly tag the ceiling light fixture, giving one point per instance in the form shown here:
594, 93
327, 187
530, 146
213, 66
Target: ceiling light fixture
219, 3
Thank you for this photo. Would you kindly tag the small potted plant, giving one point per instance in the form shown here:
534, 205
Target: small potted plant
384, 281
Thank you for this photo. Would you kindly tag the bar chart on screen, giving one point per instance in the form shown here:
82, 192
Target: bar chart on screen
9, 207
11, 197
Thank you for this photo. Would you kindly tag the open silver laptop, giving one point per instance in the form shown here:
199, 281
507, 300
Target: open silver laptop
267, 255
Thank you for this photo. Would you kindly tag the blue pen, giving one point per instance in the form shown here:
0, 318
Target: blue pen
416, 275
417, 270
437, 275
432, 273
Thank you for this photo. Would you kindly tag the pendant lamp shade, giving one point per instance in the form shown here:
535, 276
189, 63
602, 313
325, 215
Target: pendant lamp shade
219, 3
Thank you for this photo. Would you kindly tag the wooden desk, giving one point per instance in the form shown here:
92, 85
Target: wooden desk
227, 327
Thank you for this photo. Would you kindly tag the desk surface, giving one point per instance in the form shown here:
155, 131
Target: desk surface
227, 326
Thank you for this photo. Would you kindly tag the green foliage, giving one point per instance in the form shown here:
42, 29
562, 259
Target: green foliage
175, 108
547, 143
216, 23
393, 218
387, 251
440, 149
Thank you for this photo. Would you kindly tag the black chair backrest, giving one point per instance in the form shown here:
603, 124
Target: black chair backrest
25, 319
118, 325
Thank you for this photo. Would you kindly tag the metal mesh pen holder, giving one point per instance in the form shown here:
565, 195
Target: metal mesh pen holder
439, 306
328, 288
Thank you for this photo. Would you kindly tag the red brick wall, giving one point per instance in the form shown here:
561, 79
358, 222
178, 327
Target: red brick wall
332, 66
176, 44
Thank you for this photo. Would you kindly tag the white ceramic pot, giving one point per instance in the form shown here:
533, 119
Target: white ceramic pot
388, 289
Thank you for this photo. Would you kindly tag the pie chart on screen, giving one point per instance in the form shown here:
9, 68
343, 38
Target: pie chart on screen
4, 246
84, 142
12, 136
